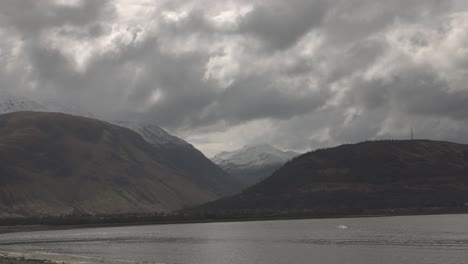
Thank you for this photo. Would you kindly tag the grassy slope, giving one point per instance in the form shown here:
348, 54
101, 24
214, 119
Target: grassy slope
54, 164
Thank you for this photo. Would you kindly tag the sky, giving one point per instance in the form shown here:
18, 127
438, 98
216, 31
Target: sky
298, 74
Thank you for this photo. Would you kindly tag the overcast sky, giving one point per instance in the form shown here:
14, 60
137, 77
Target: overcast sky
298, 74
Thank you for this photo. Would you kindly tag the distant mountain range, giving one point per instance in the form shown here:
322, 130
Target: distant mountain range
253, 163
58, 164
175, 152
360, 178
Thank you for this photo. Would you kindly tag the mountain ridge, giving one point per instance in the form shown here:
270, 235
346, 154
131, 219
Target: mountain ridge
359, 178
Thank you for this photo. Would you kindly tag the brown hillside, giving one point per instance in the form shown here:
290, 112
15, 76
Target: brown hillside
54, 164
361, 177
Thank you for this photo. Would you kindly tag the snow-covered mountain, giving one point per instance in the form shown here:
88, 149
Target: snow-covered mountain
9, 104
12, 103
152, 133
253, 163
176, 152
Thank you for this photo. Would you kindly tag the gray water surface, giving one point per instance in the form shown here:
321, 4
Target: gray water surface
406, 239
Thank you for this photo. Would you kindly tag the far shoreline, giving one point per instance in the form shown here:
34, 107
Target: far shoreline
20, 260
51, 258
4, 229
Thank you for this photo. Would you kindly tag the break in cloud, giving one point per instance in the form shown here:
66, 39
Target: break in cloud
298, 74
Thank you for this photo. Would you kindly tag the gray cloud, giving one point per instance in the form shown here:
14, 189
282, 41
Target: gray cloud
281, 24
29, 17
300, 75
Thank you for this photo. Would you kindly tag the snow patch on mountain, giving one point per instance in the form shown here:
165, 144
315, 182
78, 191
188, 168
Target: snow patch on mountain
152, 133
253, 163
255, 156
249, 156
13, 103
9, 104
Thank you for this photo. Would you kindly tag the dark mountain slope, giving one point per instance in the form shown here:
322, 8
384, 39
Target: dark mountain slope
188, 160
361, 178
52, 164
176, 152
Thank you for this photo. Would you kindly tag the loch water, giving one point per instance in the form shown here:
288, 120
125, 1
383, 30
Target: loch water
370, 240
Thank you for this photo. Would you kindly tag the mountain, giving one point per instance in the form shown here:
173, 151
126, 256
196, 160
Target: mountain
9, 104
13, 103
56, 164
186, 158
361, 178
177, 153
253, 163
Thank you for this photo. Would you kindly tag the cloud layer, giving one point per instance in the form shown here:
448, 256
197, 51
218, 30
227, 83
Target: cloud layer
299, 74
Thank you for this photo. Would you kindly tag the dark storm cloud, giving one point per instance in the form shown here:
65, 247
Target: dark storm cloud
259, 99
282, 23
419, 92
300, 74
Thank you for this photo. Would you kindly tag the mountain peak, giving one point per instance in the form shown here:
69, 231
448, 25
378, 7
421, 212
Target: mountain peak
13, 103
260, 147
10, 103
255, 154
253, 162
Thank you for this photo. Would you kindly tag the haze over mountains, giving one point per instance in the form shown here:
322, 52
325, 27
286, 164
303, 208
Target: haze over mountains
360, 178
253, 163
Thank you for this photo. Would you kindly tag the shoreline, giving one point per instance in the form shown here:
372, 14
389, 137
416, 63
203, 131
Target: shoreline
34, 228
52, 258
13, 260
